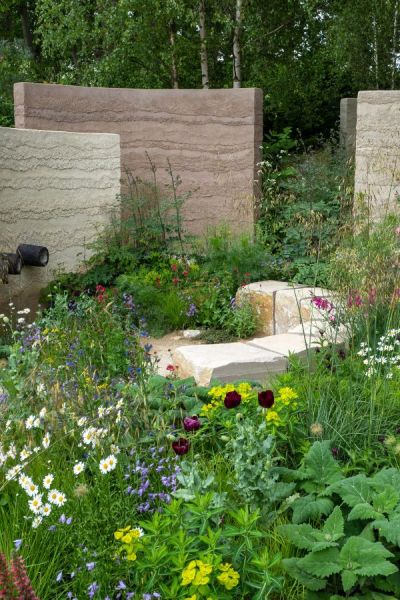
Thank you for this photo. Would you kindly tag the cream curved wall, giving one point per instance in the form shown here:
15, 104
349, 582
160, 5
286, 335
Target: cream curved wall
56, 189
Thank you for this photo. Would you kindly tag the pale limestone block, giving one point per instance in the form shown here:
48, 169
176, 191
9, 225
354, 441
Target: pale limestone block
294, 306
261, 295
286, 344
228, 362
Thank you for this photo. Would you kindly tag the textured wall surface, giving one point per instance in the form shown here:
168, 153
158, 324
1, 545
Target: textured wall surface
348, 125
56, 189
211, 137
377, 169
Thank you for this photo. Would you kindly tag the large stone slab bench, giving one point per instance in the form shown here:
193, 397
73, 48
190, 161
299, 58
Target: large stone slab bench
290, 325
256, 359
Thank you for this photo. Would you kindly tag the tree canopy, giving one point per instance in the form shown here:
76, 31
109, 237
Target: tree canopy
304, 54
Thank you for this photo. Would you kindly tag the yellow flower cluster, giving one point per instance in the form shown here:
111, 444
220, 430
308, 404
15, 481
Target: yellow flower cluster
217, 395
286, 398
196, 573
129, 537
229, 578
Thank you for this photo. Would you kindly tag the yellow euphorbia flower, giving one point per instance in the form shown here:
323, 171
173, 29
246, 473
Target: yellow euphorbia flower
287, 395
273, 417
196, 573
120, 532
229, 578
131, 556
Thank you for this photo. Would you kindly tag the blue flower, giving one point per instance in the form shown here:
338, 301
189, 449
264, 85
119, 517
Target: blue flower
17, 544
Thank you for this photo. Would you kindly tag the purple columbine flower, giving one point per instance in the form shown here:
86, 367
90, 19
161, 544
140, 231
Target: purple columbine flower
121, 585
17, 544
92, 589
66, 520
192, 310
90, 566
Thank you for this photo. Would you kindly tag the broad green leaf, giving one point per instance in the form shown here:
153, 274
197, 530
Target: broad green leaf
349, 579
334, 525
386, 477
321, 564
355, 490
310, 507
302, 536
389, 529
366, 558
363, 511
386, 501
320, 464
312, 583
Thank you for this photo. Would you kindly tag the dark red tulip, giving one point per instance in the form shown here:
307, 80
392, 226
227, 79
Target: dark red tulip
266, 398
191, 423
232, 399
181, 446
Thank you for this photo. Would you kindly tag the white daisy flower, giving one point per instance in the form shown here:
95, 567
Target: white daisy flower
24, 480
31, 489
48, 480
37, 521
30, 421
139, 531
61, 499
112, 462
36, 503
13, 472
36, 422
88, 435
43, 411
103, 466
45, 510
25, 454
78, 468
46, 440
52, 496
108, 464
82, 421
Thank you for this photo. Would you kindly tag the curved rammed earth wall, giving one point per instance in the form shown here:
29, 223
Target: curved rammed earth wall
211, 137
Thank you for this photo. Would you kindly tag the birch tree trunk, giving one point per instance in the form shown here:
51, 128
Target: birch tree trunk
394, 47
376, 53
237, 75
174, 70
203, 46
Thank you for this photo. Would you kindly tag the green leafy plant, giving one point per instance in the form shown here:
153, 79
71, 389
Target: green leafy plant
349, 528
253, 456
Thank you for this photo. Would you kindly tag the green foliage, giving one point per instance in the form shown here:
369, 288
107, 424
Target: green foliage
253, 452
242, 256
359, 537
305, 201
